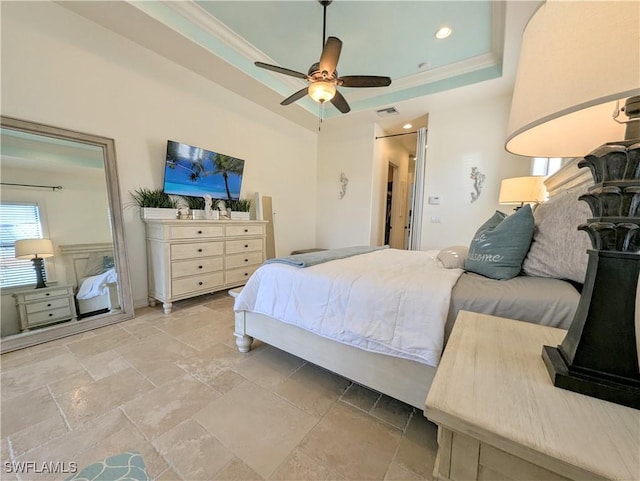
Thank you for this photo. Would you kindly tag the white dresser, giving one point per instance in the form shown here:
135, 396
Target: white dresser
187, 258
47, 305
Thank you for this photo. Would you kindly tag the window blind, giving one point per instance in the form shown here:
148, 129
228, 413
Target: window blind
17, 221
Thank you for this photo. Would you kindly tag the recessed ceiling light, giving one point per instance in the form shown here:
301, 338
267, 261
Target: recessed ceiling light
407, 126
443, 32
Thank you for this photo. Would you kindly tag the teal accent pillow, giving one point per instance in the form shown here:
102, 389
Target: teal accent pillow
119, 467
500, 245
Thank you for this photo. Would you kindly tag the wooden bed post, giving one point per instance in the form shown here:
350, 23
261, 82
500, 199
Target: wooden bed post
242, 340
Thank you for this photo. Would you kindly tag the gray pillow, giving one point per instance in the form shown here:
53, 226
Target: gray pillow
497, 250
453, 257
559, 249
97, 263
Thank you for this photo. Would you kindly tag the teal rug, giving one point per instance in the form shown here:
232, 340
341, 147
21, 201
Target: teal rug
119, 467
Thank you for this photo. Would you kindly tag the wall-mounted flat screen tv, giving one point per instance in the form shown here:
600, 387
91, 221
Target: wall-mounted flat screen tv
194, 171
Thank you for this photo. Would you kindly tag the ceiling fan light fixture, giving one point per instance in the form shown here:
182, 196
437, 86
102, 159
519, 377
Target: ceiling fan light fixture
322, 91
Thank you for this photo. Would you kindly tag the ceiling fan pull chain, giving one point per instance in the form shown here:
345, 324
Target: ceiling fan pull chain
320, 116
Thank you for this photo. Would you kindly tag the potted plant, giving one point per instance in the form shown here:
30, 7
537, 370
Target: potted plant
155, 203
196, 204
240, 209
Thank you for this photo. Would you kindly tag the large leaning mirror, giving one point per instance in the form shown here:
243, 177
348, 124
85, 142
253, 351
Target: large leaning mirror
60, 205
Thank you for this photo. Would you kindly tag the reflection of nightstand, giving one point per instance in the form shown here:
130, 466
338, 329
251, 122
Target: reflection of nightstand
499, 415
39, 307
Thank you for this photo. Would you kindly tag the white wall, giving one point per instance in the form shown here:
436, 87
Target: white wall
348, 148
63, 70
457, 140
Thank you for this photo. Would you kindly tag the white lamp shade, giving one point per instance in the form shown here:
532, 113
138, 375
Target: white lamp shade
577, 59
322, 91
519, 190
30, 248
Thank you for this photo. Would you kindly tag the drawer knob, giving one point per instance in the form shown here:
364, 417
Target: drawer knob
48, 294
246, 246
49, 305
246, 274
199, 250
246, 230
200, 283
199, 232
50, 314
199, 267
246, 260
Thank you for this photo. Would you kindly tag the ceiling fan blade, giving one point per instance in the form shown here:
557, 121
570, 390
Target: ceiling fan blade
281, 70
364, 81
297, 96
340, 103
330, 55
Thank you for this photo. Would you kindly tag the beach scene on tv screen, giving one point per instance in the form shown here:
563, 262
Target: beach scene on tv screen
194, 171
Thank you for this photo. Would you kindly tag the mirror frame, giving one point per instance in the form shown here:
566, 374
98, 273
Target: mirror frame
126, 311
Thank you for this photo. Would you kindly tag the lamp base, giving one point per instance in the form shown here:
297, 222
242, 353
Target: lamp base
563, 376
598, 356
38, 265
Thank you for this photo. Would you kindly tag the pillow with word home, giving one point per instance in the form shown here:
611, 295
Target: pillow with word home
500, 245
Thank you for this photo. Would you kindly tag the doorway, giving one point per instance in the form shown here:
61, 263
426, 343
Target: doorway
395, 209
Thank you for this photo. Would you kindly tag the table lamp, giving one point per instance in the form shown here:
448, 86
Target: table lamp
578, 86
521, 190
36, 250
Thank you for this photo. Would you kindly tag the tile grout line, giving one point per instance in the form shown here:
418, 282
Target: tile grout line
12, 456
228, 448
153, 446
64, 416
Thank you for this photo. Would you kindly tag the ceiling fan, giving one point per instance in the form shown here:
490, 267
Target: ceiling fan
323, 76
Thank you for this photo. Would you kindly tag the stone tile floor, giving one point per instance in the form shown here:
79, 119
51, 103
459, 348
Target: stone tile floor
174, 388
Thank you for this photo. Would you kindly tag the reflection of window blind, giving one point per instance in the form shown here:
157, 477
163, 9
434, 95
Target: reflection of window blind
17, 221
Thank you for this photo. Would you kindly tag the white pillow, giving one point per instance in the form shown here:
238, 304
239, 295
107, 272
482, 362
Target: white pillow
453, 257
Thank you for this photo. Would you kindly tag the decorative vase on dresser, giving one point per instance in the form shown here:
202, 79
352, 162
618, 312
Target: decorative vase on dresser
188, 258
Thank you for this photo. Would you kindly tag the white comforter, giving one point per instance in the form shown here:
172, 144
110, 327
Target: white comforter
94, 286
389, 301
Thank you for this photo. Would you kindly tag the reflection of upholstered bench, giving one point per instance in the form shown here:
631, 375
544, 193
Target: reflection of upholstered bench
306, 251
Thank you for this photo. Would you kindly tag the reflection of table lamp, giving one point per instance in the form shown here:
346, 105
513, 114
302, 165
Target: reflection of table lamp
36, 250
578, 59
522, 190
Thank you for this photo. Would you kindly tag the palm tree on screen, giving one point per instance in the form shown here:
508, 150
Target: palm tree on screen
226, 165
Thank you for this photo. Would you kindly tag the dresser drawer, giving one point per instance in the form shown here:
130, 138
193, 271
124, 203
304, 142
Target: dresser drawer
244, 245
34, 296
233, 276
196, 249
187, 285
195, 267
50, 315
48, 304
246, 259
245, 229
195, 232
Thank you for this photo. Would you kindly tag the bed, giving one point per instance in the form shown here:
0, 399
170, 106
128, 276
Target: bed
91, 270
311, 311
